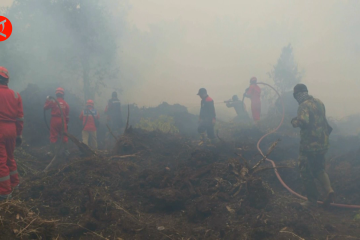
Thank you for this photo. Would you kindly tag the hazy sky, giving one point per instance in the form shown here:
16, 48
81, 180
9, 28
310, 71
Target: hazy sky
227, 42
219, 45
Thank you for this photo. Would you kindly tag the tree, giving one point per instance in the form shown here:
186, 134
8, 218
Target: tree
285, 73
62, 41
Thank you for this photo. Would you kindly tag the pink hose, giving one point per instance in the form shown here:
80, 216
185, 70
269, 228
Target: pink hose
273, 163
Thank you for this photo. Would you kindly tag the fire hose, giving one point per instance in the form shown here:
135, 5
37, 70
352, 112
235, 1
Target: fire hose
274, 165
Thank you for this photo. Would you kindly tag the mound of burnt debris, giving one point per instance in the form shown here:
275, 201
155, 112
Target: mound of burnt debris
155, 185
184, 121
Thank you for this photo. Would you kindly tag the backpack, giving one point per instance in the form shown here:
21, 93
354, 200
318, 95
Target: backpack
96, 121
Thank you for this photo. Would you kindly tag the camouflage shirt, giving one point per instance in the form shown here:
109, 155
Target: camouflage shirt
315, 130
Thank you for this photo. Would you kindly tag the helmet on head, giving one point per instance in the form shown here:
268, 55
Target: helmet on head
60, 91
253, 80
4, 72
114, 94
235, 98
202, 91
300, 88
90, 103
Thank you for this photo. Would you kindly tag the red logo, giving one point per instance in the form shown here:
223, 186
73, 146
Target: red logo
5, 28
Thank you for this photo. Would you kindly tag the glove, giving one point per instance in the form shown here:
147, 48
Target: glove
18, 141
294, 121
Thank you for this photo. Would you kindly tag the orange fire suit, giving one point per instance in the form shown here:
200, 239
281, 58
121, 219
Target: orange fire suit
11, 125
254, 93
56, 122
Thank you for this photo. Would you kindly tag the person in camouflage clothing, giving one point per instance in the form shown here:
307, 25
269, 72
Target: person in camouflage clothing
314, 133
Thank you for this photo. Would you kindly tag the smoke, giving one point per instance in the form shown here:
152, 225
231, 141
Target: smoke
167, 50
223, 44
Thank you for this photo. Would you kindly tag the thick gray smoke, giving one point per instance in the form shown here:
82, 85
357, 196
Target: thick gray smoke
72, 44
157, 51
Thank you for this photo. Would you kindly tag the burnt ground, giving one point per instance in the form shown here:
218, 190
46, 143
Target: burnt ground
162, 186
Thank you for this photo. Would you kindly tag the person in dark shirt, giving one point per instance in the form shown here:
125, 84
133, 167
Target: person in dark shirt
113, 111
114, 119
207, 116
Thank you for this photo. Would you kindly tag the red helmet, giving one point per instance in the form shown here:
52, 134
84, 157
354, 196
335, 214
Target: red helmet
60, 90
90, 103
253, 80
4, 72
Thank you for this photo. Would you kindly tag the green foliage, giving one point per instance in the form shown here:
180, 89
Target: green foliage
357, 217
163, 123
285, 73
